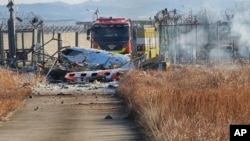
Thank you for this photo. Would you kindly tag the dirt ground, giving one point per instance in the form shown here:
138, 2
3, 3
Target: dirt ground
71, 113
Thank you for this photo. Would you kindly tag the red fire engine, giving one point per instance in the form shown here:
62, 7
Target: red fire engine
111, 34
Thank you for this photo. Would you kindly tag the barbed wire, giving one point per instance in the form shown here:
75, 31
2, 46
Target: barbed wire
51, 26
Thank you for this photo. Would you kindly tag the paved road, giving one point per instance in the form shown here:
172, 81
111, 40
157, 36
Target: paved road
68, 117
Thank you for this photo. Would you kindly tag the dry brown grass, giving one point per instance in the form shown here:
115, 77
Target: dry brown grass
191, 103
13, 89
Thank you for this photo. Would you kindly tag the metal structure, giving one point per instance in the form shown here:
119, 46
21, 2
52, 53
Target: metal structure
26, 37
29, 38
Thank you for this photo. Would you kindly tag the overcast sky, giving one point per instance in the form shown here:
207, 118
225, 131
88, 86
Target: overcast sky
195, 4
2, 2
183, 4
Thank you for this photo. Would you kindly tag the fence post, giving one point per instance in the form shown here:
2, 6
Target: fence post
76, 39
23, 48
1, 48
59, 43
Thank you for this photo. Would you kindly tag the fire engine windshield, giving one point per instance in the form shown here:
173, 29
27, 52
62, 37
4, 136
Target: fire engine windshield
111, 32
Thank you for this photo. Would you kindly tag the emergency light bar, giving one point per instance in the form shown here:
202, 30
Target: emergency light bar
111, 19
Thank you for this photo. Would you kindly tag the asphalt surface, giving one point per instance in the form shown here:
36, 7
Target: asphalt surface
83, 116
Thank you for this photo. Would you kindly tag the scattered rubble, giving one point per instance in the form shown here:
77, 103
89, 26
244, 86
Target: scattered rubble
75, 68
69, 89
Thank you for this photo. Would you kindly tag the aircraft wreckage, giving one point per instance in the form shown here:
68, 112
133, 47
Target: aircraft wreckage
75, 64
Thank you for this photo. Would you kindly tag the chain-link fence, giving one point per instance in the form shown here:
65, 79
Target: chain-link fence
41, 39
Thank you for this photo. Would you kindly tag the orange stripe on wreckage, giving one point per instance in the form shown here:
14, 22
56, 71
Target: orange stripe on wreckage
110, 74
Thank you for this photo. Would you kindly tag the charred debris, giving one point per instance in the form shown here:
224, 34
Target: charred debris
80, 65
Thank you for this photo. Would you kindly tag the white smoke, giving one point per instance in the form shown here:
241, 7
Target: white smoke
188, 46
221, 52
241, 28
227, 36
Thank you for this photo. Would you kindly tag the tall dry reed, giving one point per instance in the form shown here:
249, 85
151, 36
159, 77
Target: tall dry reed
189, 103
14, 88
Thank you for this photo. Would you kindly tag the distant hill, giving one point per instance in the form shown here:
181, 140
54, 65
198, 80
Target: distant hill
134, 9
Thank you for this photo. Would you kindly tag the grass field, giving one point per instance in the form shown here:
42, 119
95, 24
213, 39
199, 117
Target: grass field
189, 103
13, 89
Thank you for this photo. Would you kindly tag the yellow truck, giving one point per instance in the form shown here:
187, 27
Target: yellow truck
147, 42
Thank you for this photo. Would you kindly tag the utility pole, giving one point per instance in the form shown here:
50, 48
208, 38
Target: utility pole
95, 13
12, 36
36, 40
